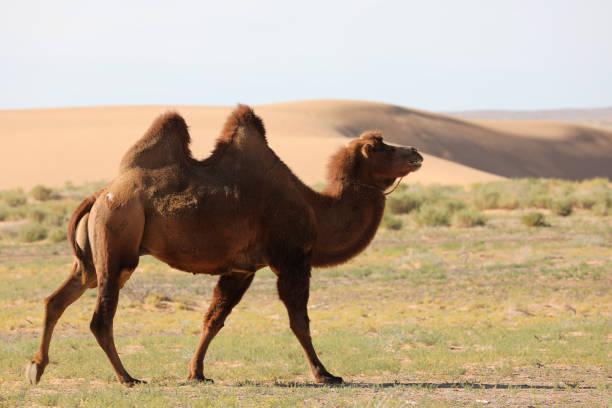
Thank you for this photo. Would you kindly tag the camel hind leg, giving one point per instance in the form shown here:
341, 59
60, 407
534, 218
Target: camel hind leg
116, 232
77, 283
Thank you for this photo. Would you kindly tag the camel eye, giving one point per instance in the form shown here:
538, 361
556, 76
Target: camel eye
379, 147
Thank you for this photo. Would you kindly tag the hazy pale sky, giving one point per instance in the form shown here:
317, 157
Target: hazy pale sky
434, 55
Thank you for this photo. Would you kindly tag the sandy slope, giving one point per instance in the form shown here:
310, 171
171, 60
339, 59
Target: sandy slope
601, 117
51, 146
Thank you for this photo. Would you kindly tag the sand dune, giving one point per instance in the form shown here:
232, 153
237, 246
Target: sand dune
507, 148
51, 146
600, 117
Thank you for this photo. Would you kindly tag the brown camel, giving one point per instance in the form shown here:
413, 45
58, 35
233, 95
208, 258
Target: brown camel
237, 211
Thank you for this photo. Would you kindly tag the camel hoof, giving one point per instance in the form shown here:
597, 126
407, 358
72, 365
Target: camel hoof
200, 378
33, 372
328, 379
130, 382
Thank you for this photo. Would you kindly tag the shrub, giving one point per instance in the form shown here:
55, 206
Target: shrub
586, 202
391, 222
486, 200
32, 233
433, 216
602, 208
41, 193
534, 219
404, 204
36, 216
540, 201
468, 218
14, 198
562, 207
57, 235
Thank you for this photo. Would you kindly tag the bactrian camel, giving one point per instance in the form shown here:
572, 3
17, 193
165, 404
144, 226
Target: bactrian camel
231, 214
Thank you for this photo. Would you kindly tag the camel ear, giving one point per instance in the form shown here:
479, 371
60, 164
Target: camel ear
366, 150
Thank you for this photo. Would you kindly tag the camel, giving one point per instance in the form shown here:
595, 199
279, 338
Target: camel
231, 214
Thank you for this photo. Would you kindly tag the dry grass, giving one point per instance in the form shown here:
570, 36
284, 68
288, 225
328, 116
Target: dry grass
426, 316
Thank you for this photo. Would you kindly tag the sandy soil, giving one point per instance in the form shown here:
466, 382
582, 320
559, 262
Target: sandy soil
52, 146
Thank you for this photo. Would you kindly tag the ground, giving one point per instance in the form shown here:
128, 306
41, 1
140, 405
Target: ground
496, 315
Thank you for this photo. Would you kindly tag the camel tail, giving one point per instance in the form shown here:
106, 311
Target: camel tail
77, 234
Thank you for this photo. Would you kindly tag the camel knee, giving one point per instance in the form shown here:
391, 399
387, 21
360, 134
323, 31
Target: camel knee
300, 325
99, 326
214, 324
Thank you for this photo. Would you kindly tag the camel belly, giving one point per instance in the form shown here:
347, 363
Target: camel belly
203, 246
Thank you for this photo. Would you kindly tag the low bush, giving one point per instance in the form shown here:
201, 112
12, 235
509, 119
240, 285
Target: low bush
13, 198
57, 235
486, 200
392, 223
404, 204
534, 219
433, 216
32, 233
602, 208
41, 193
562, 207
36, 216
468, 218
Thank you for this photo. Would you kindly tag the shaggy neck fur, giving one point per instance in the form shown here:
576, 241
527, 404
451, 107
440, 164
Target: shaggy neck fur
348, 211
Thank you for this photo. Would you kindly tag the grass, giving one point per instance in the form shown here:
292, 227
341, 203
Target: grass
426, 316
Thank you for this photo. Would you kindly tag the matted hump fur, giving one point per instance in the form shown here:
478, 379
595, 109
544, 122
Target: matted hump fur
167, 140
165, 143
242, 116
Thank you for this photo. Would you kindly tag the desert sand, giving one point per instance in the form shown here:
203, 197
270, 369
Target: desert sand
52, 146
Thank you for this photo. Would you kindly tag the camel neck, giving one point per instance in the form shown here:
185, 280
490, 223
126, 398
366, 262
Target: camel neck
348, 216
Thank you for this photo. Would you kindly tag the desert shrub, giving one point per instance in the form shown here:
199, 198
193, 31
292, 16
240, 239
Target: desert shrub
390, 222
508, 202
57, 235
534, 219
562, 207
591, 192
404, 204
433, 216
485, 200
157, 299
586, 202
4, 213
56, 220
36, 216
602, 208
12, 213
450, 204
467, 218
538, 201
32, 233
41, 193
13, 198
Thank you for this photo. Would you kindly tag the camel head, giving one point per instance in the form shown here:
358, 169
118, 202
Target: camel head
379, 164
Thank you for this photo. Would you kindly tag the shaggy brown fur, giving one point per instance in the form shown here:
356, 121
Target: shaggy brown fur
237, 211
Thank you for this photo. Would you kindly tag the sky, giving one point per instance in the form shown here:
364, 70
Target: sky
432, 55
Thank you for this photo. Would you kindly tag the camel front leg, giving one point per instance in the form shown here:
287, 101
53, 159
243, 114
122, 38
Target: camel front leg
227, 294
294, 288
55, 304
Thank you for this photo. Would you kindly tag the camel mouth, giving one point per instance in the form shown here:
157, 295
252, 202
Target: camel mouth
415, 165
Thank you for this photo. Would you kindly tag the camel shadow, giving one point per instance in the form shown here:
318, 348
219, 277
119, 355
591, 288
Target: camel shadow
427, 385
